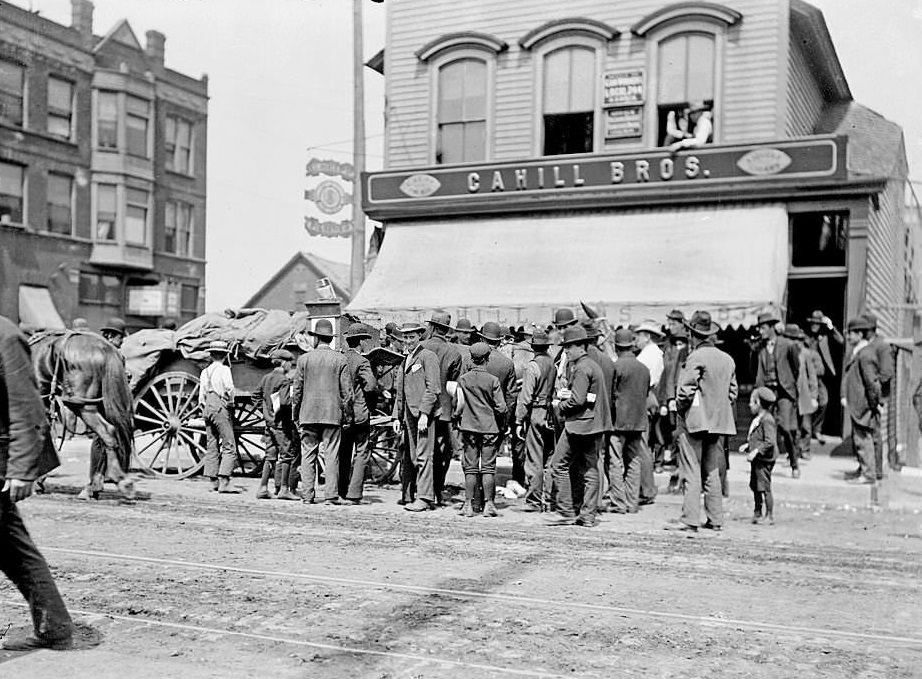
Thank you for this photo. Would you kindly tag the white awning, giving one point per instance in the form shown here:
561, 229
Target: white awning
630, 266
37, 310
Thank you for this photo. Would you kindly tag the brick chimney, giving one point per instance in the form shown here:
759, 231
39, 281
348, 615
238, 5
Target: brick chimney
155, 46
82, 19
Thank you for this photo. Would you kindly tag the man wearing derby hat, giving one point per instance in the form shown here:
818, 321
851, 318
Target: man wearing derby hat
674, 355
462, 337
807, 388
272, 396
500, 367
531, 417
216, 398
583, 427
449, 372
884, 353
862, 398
824, 339
520, 352
321, 397
416, 407
705, 396
779, 370
355, 452
114, 331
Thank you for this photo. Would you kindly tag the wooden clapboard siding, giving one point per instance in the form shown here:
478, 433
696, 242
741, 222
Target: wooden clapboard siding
805, 100
886, 261
751, 81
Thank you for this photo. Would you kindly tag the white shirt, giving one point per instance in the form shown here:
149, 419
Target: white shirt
217, 378
652, 357
755, 423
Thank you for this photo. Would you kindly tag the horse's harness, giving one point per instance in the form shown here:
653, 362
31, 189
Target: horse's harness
59, 364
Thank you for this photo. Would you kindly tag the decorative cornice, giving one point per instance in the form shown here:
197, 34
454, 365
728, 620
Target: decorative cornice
472, 39
568, 26
687, 11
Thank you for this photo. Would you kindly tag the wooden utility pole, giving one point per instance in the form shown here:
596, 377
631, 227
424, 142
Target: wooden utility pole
358, 151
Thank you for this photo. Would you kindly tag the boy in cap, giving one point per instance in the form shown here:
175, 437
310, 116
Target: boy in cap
268, 397
761, 451
531, 417
216, 397
354, 450
482, 408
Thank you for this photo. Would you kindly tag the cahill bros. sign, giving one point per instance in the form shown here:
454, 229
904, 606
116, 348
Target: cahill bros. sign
812, 160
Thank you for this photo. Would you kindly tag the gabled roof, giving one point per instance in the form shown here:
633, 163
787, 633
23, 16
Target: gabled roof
876, 149
808, 26
121, 33
337, 272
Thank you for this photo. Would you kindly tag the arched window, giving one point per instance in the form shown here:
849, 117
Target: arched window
568, 100
685, 75
461, 115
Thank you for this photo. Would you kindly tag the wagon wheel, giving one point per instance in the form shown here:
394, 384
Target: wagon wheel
249, 430
169, 429
385, 452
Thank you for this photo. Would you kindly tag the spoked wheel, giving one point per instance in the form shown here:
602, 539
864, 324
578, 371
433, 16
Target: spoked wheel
249, 432
169, 429
385, 451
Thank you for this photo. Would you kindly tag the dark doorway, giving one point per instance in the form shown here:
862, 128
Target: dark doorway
806, 295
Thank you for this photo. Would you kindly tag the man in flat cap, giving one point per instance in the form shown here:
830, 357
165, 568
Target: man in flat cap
272, 396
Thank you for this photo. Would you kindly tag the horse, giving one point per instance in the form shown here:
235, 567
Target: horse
87, 374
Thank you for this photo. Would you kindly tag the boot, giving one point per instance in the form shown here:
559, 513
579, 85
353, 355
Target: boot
281, 476
489, 494
262, 493
286, 494
214, 483
224, 485
470, 488
489, 509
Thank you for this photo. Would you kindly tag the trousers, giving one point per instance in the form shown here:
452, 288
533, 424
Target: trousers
787, 432
699, 458
220, 449
579, 452
26, 568
419, 458
443, 449
864, 440
539, 444
627, 452
313, 436
354, 455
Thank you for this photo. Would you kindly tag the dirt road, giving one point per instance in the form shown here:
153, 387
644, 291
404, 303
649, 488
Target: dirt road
224, 586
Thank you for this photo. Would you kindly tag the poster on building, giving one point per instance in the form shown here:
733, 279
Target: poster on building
624, 122
623, 88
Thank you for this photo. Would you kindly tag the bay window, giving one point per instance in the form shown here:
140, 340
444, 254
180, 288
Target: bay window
137, 121
137, 208
107, 120
106, 211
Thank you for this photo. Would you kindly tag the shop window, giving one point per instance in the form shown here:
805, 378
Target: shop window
12, 89
100, 289
685, 87
106, 211
188, 300
107, 120
462, 111
178, 228
568, 93
60, 204
11, 193
819, 239
178, 145
136, 124
137, 208
60, 107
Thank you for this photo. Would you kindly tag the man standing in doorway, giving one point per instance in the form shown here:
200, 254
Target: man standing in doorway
825, 340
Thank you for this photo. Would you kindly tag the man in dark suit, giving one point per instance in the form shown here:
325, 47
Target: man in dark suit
532, 417
608, 370
779, 370
354, 453
825, 340
321, 395
629, 389
500, 367
26, 454
583, 427
862, 398
886, 368
416, 408
449, 372
705, 396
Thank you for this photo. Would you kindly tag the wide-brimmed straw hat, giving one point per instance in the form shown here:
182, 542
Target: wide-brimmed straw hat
411, 327
651, 327
217, 347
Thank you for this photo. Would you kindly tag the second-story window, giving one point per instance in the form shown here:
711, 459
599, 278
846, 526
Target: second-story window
107, 120
178, 145
136, 216
60, 204
178, 228
685, 78
568, 108
12, 86
136, 125
11, 193
462, 111
106, 211
60, 107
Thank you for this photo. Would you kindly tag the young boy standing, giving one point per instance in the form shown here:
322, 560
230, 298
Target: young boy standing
761, 453
483, 408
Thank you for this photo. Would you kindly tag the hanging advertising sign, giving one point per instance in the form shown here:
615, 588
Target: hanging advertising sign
623, 88
315, 227
329, 196
625, 122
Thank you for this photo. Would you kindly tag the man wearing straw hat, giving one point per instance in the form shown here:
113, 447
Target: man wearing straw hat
321, 395
705, 396
216, 397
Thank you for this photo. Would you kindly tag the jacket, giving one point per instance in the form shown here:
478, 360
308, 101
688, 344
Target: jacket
884, 353
820, 343
270, 384
484, 403
26, 449
537, 386
707, 391
467, 362
807, 383
418, 384
503, 369
608, 375
363, 384
629, 389
321, 392
762, 438
581, 412
449, 371
863, 386
786, 361
673, 360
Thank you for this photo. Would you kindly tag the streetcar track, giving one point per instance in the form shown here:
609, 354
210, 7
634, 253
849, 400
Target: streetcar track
526, 601
424, 660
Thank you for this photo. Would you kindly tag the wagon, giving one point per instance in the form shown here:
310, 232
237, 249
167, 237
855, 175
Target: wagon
170, 437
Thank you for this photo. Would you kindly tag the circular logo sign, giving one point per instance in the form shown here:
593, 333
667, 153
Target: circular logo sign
329, 197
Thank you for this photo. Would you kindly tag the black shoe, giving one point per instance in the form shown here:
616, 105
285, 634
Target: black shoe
856, 474
31, 643
712, 526
587, 523
646, 501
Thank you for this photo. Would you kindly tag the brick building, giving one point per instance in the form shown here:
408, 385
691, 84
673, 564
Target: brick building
102, 174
